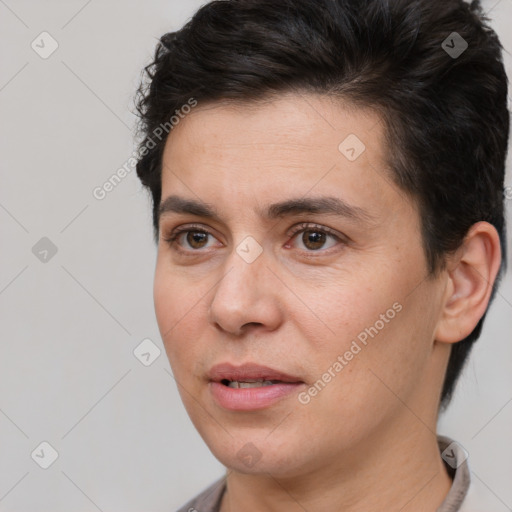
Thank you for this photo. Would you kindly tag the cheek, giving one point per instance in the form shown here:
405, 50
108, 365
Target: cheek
389, 353
177, 311
378, 330
340, 310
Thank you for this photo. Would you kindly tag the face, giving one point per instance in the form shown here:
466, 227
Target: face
327, 290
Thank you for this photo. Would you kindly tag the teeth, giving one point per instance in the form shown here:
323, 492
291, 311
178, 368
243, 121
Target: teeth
251, 383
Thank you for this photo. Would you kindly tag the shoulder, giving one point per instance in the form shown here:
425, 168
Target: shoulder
208, 500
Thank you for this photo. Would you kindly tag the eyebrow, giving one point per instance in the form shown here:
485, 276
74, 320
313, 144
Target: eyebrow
291, 207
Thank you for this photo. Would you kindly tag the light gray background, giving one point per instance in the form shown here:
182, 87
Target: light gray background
69, 326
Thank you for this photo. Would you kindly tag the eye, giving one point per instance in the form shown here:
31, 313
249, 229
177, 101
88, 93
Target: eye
314, 237
190, 238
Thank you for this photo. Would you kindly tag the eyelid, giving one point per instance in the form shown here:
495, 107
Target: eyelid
341, 239
311, 226
185, 228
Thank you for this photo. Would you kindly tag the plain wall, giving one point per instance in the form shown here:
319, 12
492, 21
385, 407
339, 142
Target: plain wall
68, 375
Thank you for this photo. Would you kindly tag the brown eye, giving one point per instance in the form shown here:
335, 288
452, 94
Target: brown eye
313, 239
189, 239
196, 239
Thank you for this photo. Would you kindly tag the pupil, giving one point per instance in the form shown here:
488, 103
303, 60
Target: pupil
196, 236
314, 237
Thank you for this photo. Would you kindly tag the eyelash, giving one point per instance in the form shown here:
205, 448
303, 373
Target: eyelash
305, 226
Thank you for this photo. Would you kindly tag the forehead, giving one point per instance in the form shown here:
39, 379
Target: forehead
295, 122
290, 145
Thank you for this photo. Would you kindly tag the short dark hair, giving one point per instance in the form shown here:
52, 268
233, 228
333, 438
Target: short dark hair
445, 113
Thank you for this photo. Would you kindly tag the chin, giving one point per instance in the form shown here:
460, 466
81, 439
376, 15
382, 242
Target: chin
247, 455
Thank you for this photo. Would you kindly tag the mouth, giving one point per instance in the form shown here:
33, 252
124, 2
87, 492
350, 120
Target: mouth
249, 383
249, 373
250, 386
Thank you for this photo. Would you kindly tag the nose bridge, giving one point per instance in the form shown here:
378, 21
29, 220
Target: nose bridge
244, 295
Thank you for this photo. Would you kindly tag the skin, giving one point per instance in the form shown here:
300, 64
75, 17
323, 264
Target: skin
367, 441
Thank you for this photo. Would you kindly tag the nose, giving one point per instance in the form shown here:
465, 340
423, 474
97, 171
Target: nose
246, 296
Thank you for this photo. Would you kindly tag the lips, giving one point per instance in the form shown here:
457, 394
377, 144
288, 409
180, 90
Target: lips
249, 372
250, 387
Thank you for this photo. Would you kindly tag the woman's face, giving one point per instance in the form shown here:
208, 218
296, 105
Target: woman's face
337, 299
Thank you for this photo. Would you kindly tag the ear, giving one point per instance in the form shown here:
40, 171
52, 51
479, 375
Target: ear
471, 275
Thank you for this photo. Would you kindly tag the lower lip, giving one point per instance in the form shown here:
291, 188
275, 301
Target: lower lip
250, 399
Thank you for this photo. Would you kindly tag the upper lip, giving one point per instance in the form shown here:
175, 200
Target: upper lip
248, 371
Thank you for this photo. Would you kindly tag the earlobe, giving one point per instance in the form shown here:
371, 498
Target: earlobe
471, 277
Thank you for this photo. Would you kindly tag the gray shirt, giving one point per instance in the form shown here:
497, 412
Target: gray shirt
209, 500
